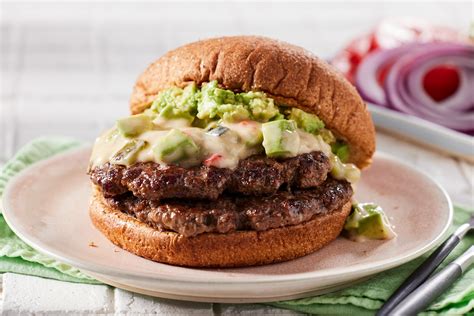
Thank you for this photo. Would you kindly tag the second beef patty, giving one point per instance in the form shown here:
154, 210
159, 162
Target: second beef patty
230, 213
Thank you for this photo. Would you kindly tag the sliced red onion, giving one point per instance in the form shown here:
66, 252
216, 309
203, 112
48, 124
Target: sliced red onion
403, 88
406, 96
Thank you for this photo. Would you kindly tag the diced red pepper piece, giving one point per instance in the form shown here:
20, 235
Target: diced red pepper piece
212, 160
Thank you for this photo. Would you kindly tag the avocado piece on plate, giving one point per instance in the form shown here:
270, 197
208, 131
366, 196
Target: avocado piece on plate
368, 221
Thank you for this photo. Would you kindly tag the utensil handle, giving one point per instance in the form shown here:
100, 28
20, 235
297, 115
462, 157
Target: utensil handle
426, 293
420, 274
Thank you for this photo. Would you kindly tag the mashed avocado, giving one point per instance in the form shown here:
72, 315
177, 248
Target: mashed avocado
211, 103
308, 122
176, 103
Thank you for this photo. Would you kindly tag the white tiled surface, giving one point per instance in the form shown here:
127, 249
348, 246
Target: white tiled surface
127, 302
33, 295
67, 69
24, 294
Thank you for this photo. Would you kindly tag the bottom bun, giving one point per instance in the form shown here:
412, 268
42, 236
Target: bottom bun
235, 249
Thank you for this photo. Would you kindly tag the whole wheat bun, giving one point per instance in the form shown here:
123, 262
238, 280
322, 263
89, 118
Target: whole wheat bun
236, 249
289, 74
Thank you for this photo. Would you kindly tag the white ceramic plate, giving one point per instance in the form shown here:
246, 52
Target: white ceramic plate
47, 206
422, 131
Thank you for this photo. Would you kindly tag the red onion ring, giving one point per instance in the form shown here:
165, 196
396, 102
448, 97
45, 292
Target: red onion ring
366, 75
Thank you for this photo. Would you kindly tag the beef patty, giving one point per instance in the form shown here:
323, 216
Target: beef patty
230, 212
256, 175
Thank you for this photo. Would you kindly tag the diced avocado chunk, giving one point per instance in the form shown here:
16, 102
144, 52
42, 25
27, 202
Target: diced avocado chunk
149, 112
127, 155
308, 122
373, 227
368, 221
280, 138
341, 150
175, 147
134, 125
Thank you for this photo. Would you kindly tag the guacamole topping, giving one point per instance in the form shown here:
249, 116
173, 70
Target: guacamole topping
188, 126
211, 103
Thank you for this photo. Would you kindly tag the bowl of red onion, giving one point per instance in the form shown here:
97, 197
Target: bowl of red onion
407, 67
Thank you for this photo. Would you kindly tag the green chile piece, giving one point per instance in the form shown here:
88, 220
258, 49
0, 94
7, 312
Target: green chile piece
127, 155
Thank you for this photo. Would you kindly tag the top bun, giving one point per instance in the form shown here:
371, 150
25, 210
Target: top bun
289, 74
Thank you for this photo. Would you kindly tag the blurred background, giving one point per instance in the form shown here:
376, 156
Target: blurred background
68, 68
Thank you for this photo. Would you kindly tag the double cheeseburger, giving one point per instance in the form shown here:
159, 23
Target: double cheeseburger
239, 151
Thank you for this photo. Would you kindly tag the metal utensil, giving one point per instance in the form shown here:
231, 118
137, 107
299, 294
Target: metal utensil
421, 298
426, 268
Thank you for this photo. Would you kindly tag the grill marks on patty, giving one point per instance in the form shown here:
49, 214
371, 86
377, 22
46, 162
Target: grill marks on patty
256, 176
230, 213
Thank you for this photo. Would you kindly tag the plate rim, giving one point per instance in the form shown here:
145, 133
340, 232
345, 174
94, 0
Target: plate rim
419, 130
358, 269
229, 299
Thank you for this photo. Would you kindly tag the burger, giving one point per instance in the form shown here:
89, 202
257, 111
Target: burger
239, 151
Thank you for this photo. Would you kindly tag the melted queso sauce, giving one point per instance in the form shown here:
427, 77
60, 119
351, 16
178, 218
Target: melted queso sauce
231, 147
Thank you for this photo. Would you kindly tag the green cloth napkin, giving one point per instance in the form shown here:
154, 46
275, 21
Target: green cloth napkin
361, 299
